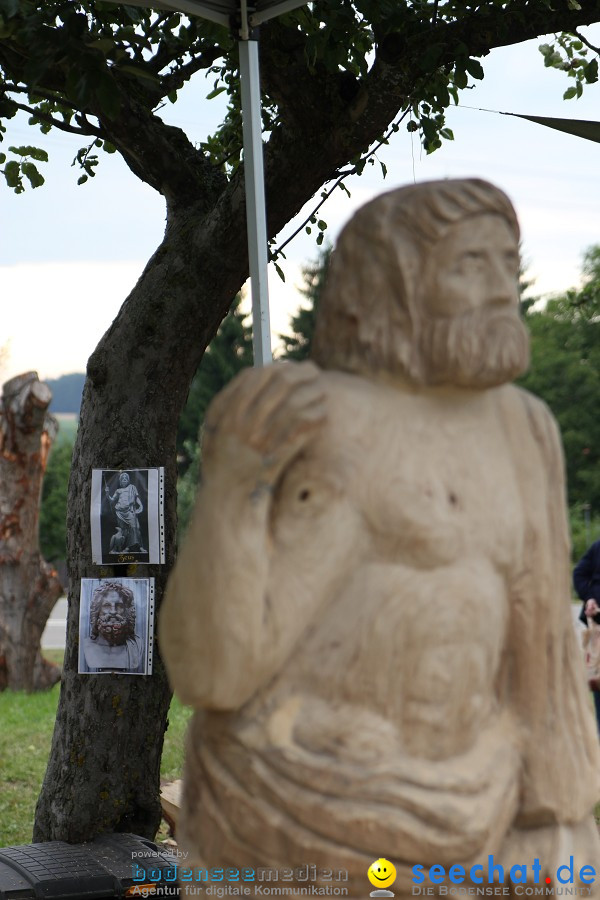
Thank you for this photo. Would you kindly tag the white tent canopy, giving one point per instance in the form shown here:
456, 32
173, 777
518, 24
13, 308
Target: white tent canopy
249, 15
221, 11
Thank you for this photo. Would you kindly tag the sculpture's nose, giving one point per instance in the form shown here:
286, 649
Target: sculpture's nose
503, 288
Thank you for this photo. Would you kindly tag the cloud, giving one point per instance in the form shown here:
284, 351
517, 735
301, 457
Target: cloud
54, 314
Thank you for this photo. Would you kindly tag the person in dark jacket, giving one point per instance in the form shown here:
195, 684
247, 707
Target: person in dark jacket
586, 579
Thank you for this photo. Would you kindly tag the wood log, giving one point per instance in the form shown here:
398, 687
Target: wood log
29, 587
170, 801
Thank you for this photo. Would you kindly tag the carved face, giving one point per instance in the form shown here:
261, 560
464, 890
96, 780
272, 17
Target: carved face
474, 266
472, 334
124, 479
112, 621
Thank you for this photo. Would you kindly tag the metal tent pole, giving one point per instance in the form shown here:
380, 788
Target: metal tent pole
256, 220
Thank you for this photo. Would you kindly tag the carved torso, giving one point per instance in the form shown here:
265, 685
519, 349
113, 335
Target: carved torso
422, 491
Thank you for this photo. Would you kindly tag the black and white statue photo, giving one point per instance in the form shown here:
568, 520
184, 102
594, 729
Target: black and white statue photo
116, 625
126, 516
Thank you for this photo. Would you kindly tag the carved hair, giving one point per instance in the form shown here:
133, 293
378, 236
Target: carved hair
369, 318
126, 595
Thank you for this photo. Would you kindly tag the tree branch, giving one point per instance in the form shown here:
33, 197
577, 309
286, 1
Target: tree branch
88, 131
175, 80
162, 156
586, 42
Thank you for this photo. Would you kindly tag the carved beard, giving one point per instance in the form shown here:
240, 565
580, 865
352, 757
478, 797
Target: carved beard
478, 349
115, 629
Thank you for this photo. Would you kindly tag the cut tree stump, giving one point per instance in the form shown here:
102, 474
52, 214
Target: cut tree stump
170, 800
29, 587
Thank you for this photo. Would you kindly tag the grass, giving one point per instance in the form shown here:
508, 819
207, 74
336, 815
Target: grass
25, 738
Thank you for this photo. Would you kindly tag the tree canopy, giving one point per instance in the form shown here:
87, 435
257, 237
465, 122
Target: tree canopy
565, 372
337, 77
102, 71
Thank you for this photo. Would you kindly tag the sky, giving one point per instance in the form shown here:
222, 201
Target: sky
70, 254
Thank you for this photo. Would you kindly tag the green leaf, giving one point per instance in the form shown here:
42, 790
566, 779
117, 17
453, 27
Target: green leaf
31, 173
215, 93
429, 129
8, 108
460, 78
474, 68
570, 93
320, 238
33, 152
279, 271
12, 173
82, 179
322, 225
105, 45
134, 14
591, 72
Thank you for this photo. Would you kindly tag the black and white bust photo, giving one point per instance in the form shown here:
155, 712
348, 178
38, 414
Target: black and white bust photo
116, 626
126, 516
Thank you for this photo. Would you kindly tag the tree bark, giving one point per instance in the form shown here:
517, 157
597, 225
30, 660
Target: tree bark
29, 587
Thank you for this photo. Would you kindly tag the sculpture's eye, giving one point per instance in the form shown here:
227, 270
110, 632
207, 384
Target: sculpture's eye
304, 494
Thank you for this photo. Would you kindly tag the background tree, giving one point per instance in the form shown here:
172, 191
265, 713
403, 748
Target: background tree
228, 353
565, 372
338, 76
297, 345
53, 510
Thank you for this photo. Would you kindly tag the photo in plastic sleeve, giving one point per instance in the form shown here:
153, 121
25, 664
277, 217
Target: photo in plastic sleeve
116, 626
126, 516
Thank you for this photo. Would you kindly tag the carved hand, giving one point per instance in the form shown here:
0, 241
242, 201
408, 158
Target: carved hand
263, 419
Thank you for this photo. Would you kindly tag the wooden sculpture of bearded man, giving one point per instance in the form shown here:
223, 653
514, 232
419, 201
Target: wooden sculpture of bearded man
371, 609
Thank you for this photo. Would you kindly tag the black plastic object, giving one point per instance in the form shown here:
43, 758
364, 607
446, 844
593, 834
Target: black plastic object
100, 870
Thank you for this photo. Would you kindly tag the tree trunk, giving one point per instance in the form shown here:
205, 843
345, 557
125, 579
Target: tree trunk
29, 587
104, 767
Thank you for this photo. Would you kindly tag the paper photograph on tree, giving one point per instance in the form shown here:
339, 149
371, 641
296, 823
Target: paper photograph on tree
116, 626
126, 516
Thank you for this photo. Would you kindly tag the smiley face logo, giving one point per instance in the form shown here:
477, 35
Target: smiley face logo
381, 873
